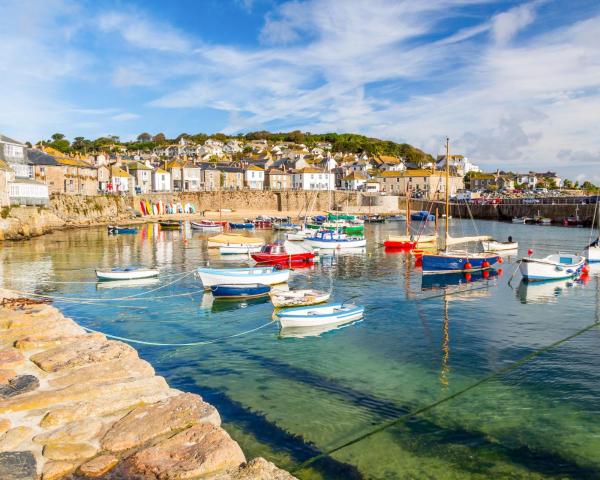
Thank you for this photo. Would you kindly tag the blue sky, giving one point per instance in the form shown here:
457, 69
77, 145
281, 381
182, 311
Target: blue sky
515, 85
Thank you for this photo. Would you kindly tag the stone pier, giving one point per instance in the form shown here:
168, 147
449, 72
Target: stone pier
76, 405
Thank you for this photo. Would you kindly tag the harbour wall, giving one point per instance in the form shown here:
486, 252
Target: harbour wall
503, 212
77, 405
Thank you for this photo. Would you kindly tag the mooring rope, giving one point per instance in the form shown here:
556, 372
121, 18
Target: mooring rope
190, 344
421, 410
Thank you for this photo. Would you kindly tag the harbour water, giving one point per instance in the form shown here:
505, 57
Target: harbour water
289, 397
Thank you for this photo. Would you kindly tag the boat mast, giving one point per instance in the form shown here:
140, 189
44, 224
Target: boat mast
407, 222
447, 193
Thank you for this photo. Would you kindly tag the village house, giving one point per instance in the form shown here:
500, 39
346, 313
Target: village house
255, 177
6, 175
310, 178
142, 175
192, 177
211, 176
461, 164
372, 186
161, 180
103, 173
278, 180
23, 189
423, 183
355, 180
120, 180
175, 169
489, 181
232, 178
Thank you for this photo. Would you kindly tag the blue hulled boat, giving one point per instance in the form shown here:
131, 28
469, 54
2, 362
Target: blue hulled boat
239, 226
121, 230
240, 291
423, 215
450, 261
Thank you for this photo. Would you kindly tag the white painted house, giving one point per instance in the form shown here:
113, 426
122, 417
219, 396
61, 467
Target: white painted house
161, 180
310, 178
255, 177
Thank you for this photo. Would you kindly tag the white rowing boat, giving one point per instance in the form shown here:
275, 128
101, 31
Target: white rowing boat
205, 226
130, 273
242, 276
298, 298
327, 240
495, 246
239, 249
552, 267
315, 316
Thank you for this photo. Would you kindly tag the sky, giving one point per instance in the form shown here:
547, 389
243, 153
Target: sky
515, 85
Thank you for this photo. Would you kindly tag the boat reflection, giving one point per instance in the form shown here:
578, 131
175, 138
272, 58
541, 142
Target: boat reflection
140, 282
303, 332
544, 292
227, 305
459, 279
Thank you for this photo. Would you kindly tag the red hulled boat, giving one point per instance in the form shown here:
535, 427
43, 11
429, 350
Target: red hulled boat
276, 254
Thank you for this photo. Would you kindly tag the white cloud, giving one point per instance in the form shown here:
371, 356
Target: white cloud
125, 116
507, 24
144, 33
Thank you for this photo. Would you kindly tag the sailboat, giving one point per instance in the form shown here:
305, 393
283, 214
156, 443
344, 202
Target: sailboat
409, 241
449, 261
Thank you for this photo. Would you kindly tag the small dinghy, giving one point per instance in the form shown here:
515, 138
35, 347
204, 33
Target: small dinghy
285, 227
238, 249
496, 246
240, 226
206, 226
242, 276
522, 220
552, 267
408, 242
298, 235
298, 298
130, 273
253, 290
170, 225
121, 230
396, 218
313, 316
422, 216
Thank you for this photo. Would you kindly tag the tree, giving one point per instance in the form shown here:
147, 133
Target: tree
567, 184
60, 143
587, 185
57, 136
144, 137
159, 138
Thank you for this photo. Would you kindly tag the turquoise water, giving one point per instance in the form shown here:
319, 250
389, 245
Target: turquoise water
290, 398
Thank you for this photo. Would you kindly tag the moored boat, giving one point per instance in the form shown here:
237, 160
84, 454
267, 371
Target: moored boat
277, 253
233, 239
458, 261
396, 218
409, 241
228, 291
129, 273
206, 226
298, 298
422, 215
552, 267
323, 315
374, 219
238, 249
170, 225
121, 230
240, 226
496, 246
328, 240
242, 276
522, 220
286, 227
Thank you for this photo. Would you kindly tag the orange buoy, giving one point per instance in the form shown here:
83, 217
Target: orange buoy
486, 274
468, 277
500, 271
530, 252
500, 260
485, 264
468, 266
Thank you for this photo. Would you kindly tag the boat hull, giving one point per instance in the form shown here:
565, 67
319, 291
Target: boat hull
126, 274
238, 249
316, 316
233, 240
277, 259
442, 263
242, 276
240, 291
539, 270
492, 246
122, 230
206, 227
593, 254
241, 226
335, 244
